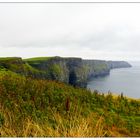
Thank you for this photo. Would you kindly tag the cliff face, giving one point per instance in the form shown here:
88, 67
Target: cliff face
96, 68
118, 64
74, 71
68, 70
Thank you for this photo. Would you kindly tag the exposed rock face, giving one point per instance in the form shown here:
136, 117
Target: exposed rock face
68, 70
118, 64
74, 71
96, 68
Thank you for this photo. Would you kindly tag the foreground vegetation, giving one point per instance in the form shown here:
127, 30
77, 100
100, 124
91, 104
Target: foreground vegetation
42, 108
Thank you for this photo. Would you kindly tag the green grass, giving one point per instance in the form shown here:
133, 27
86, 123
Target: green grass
38, 59
17, 65
30, 107
44, 108
28, 67
8, 58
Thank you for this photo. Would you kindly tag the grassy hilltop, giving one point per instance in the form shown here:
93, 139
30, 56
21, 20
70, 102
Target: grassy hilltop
32, 107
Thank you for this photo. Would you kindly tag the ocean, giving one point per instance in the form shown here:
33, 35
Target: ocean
123, 80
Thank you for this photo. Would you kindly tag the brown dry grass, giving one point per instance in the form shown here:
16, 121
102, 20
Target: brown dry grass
70, 126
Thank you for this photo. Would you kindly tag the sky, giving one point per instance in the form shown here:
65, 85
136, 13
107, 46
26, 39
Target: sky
90, 31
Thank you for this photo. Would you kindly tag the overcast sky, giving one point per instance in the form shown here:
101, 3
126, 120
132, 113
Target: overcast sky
91, 31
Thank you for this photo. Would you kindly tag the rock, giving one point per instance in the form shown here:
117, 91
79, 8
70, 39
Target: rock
118, 64
74, 71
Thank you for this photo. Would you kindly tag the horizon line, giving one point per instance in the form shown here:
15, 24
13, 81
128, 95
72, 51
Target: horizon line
70, 57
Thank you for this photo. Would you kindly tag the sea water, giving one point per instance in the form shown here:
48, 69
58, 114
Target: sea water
123, 80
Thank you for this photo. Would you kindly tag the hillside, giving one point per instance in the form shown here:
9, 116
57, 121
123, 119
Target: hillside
74, 71
43, 108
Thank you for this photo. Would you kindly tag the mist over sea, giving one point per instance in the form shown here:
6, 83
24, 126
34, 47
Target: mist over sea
123, 80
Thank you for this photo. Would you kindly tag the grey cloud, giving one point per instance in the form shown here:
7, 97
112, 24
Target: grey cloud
105, 32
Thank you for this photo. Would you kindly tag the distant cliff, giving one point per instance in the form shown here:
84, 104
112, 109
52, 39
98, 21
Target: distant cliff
74, 71
118, 64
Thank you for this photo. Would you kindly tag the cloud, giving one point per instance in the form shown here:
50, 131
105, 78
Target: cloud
95, 31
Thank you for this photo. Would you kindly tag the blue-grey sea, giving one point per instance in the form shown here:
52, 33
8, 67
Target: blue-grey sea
123, 80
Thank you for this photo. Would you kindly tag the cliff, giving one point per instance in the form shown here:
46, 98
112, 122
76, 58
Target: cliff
74, 71
118, 64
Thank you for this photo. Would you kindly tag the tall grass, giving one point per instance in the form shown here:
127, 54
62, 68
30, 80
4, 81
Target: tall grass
73, 126
42, 108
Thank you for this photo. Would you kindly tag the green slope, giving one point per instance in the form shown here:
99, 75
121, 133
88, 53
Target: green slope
42, 108
38, 59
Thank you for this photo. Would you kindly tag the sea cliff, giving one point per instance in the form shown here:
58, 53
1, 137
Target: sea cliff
74, 71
